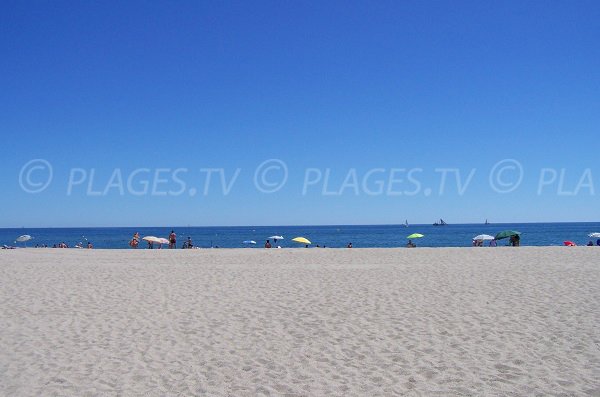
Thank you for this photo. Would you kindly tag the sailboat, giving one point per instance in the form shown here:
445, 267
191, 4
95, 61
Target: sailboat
406, 223
486, 222
440, 223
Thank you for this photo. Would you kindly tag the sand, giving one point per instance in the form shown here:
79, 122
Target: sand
301, 322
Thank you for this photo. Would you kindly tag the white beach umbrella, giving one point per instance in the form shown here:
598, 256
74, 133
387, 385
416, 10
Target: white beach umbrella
162, 240
249, 242
594, 235
23, 239
483, 237
276, 238
152, 239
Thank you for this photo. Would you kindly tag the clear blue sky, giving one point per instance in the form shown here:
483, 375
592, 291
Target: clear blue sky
339, 85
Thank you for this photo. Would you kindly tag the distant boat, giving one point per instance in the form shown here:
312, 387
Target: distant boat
486, 222
440, 223
406, 223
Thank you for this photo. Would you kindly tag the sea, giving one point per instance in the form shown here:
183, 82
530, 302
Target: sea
334, 236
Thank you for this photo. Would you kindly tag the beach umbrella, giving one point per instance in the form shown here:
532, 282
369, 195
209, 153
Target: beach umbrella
23, 239
275, 238
506, 234
483, 237
152, 239
301, 240
594, 235
249, 242
569, 243
163, 240
416, 235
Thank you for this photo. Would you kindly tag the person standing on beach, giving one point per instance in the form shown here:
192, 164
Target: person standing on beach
135, 240
172, 240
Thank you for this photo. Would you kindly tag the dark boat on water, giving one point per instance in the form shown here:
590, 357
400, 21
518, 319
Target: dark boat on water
440, 223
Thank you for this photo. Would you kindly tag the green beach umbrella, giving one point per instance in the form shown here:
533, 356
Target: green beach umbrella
416, 235
506, 234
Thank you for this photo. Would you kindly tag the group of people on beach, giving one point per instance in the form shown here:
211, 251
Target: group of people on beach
62, 244
135, 242
80, 245
269, 245
514, 241
479, 243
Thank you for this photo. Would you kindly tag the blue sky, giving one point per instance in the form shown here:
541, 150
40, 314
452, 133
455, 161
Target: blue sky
335, 85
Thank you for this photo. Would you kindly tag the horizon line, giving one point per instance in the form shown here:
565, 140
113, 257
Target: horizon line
297, 225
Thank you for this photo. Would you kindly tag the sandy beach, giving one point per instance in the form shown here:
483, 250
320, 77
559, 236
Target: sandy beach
300, 322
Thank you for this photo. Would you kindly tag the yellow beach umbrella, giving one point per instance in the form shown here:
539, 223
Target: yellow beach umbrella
301, 240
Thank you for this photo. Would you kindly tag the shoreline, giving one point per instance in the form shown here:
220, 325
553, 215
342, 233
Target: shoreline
293, 248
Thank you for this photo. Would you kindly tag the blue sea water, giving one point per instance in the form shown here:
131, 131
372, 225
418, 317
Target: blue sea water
459, 235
